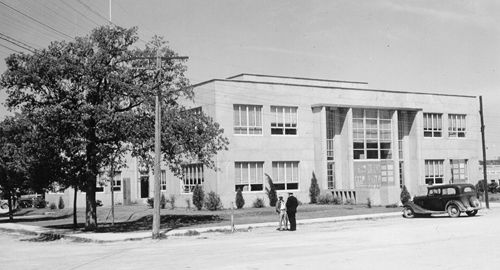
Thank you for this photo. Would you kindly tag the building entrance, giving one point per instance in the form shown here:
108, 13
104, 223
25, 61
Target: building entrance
144, 186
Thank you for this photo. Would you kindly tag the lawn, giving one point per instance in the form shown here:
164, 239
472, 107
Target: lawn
139, 217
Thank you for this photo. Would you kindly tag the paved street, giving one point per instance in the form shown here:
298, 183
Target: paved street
395, 243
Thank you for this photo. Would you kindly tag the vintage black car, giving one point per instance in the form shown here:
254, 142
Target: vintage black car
450, 198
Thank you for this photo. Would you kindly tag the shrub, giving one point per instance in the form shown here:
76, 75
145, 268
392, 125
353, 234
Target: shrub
240, 201
271, 192
39, 202
61, 203
350, 201
258, 203
368, 203
405, 195
314, 189
336, 200
492, 187
52, 206
188, 204
326, 198
198, 197
151, 202
212, 202
480, 186
163, 201
172, 201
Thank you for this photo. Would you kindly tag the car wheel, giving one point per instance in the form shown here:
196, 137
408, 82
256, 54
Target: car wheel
453, 211
408, 212
471, 213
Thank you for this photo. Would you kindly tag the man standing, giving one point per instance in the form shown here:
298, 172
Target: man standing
291, 209
281, 210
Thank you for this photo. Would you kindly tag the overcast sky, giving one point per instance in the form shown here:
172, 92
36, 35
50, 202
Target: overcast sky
427, 46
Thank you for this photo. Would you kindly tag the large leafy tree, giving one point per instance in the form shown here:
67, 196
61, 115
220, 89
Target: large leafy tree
95, 95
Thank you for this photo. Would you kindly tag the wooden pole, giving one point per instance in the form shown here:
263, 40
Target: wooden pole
484, 154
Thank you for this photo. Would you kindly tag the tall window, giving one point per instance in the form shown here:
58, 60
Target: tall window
433, 125
117, 181
330, 175
434, 172
330, 133
401, 174
247, 119
284, 121
456, 125
193, 175
372, 134
163, 178
249, 176
286, 175
458, 170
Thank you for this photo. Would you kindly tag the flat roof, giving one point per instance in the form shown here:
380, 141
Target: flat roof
330, 87
295, 78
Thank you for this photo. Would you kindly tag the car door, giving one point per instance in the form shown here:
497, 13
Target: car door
449, 194
434, 202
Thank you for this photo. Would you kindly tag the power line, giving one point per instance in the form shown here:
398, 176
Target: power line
24, 45
77, 11
95, 12
33, 19
10, 48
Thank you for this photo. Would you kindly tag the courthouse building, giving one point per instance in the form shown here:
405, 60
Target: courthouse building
359, 142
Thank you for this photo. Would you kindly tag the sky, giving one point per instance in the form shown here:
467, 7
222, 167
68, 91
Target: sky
446, 46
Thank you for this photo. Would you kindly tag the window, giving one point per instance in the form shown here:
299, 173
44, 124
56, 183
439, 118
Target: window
458, 170
401, 174
192, 176
456, 125
284, 120
330, 133
247, 119
163, 180
330, 175
449, 191
195, 110
434, 172
372, 134
117, 181
387, 172
286, 175
433, 125
249, 176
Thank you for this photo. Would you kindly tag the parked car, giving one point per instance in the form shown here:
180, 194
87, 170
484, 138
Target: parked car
453, 199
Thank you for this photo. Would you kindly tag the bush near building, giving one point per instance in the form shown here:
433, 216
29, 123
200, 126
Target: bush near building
240, 201
39, 202
198, 197
271, 192
405, 195
61, 203
258, 203
213, 202
314, 190
163, 201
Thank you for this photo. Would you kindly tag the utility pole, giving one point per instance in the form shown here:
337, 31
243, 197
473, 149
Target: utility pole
484, 154
157, 167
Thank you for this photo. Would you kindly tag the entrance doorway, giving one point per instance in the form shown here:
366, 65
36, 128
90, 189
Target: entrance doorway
144, 186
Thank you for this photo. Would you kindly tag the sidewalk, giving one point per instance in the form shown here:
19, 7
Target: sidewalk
117, 237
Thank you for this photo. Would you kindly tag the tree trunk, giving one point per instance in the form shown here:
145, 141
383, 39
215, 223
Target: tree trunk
75, 222
90, 205
11, 213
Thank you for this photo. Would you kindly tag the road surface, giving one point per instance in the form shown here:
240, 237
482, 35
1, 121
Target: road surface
421, 243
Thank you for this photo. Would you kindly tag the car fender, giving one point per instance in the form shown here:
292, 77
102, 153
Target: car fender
460, 205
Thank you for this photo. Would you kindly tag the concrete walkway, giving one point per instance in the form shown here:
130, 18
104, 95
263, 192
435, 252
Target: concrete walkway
127, 236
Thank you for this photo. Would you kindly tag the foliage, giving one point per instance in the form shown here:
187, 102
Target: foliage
314, 190
336, 200
271, 192
326, 198
188, 204
163, 201
350, 202
492, 187
213, 202
198, 197
93, 98
405, 195
368, 202
52, 206
151, 202
172, 201
480, 186
39, 202
240, 201
61, 203
258, 203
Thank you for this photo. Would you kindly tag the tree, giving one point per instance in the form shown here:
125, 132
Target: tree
271, 192
314, 189
198, 197
99, 92
240, 201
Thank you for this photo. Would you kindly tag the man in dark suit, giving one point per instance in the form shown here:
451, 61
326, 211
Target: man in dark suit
291, 209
